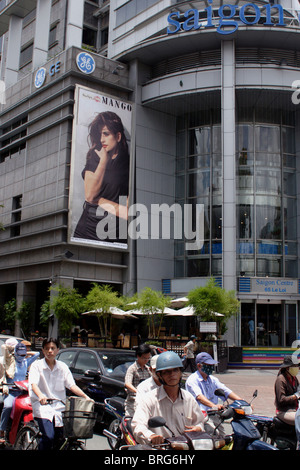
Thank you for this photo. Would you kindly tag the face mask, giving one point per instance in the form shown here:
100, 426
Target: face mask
207, 369
294, 371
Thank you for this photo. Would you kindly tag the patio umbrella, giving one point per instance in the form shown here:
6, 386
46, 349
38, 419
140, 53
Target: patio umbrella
180, 302
184, 312
167, 311
115, 313
189, 311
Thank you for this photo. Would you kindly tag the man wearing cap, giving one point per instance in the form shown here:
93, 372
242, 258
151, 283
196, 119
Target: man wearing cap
286, 390
16, 366
176, 405
202, 385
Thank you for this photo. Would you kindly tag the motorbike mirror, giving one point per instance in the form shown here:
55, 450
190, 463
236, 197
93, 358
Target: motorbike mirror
255, 394
156, 422
220, 393
93, 374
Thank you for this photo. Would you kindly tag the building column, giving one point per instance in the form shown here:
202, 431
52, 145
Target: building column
229, 170
26, 292
13, 50
42, 28
74, 23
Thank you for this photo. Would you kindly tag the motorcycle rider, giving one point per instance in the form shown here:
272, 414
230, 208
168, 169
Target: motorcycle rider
175, 404
202, 385
49, 378
136, 373
286, 391
15, 365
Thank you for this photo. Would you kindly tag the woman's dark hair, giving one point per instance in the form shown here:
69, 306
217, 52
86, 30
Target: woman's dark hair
50, 340
113, 122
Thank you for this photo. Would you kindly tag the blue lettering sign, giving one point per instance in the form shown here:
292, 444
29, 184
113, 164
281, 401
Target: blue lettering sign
230, 16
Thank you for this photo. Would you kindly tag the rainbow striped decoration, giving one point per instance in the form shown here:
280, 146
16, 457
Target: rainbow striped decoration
262, 357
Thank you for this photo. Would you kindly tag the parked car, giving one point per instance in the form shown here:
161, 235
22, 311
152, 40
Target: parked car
100, 373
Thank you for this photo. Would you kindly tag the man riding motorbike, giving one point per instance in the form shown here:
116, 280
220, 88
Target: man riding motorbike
177, 406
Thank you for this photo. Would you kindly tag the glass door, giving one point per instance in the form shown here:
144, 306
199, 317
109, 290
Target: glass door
269, 326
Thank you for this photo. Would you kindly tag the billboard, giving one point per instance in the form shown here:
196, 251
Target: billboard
100, 170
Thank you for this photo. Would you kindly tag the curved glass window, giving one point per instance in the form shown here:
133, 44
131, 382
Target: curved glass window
266, 195
199, 181
266, 200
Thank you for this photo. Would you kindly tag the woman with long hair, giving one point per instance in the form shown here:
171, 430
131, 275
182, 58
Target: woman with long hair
106, 180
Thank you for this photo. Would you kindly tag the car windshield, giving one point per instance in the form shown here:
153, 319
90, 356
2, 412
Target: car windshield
116, 364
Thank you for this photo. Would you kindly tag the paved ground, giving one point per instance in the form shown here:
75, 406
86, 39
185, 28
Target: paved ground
245, 382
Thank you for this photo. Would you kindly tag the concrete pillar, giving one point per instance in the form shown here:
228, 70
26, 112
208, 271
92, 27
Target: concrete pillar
13, 50
42, 28
26, 292
229, 171
74, 23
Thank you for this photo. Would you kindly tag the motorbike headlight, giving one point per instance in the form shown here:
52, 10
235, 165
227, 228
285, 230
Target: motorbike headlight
208, 444
203, 444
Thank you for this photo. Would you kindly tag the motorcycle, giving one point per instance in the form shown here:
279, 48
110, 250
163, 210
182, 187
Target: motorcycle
186, 441
21, 412
275, 431
114, 406
245, 434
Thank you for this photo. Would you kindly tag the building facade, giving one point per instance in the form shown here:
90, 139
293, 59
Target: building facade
214, 132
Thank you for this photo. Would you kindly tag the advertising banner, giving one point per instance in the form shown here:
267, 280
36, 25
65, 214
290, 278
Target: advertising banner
100, 170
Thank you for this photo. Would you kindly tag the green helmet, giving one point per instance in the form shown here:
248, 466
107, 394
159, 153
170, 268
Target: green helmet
168, 360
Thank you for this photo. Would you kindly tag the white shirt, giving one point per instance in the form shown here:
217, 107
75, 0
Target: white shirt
183, 412
53, 384
143, 388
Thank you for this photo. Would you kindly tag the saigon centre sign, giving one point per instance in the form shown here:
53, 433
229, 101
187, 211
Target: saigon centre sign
228, 19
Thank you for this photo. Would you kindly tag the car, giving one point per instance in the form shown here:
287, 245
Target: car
99, 372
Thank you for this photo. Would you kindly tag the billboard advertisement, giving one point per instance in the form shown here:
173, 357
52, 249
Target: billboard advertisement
100, 170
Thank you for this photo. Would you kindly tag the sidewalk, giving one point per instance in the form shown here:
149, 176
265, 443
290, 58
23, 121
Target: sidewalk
245, 382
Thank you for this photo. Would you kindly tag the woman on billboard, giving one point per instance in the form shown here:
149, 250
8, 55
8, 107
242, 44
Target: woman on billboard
106, 181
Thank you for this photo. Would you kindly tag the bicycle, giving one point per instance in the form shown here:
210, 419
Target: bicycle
78, 425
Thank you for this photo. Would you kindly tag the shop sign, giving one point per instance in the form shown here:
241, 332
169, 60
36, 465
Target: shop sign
274, 286
226, 22
208, 327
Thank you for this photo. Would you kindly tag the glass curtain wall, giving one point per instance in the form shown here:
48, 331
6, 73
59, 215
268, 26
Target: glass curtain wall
199, 181
266, 200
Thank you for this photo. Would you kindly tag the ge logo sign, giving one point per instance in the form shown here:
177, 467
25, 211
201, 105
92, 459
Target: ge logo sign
85, 63
40, 78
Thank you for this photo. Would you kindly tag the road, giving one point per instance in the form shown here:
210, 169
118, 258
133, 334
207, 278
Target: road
242, 382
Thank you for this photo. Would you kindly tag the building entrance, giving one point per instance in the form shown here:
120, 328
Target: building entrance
269, 325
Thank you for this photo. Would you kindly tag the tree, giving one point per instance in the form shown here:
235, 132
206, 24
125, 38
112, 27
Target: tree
152, 303
66, 305
212, 298
23, 314
45, 313
100, 299
9, 314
